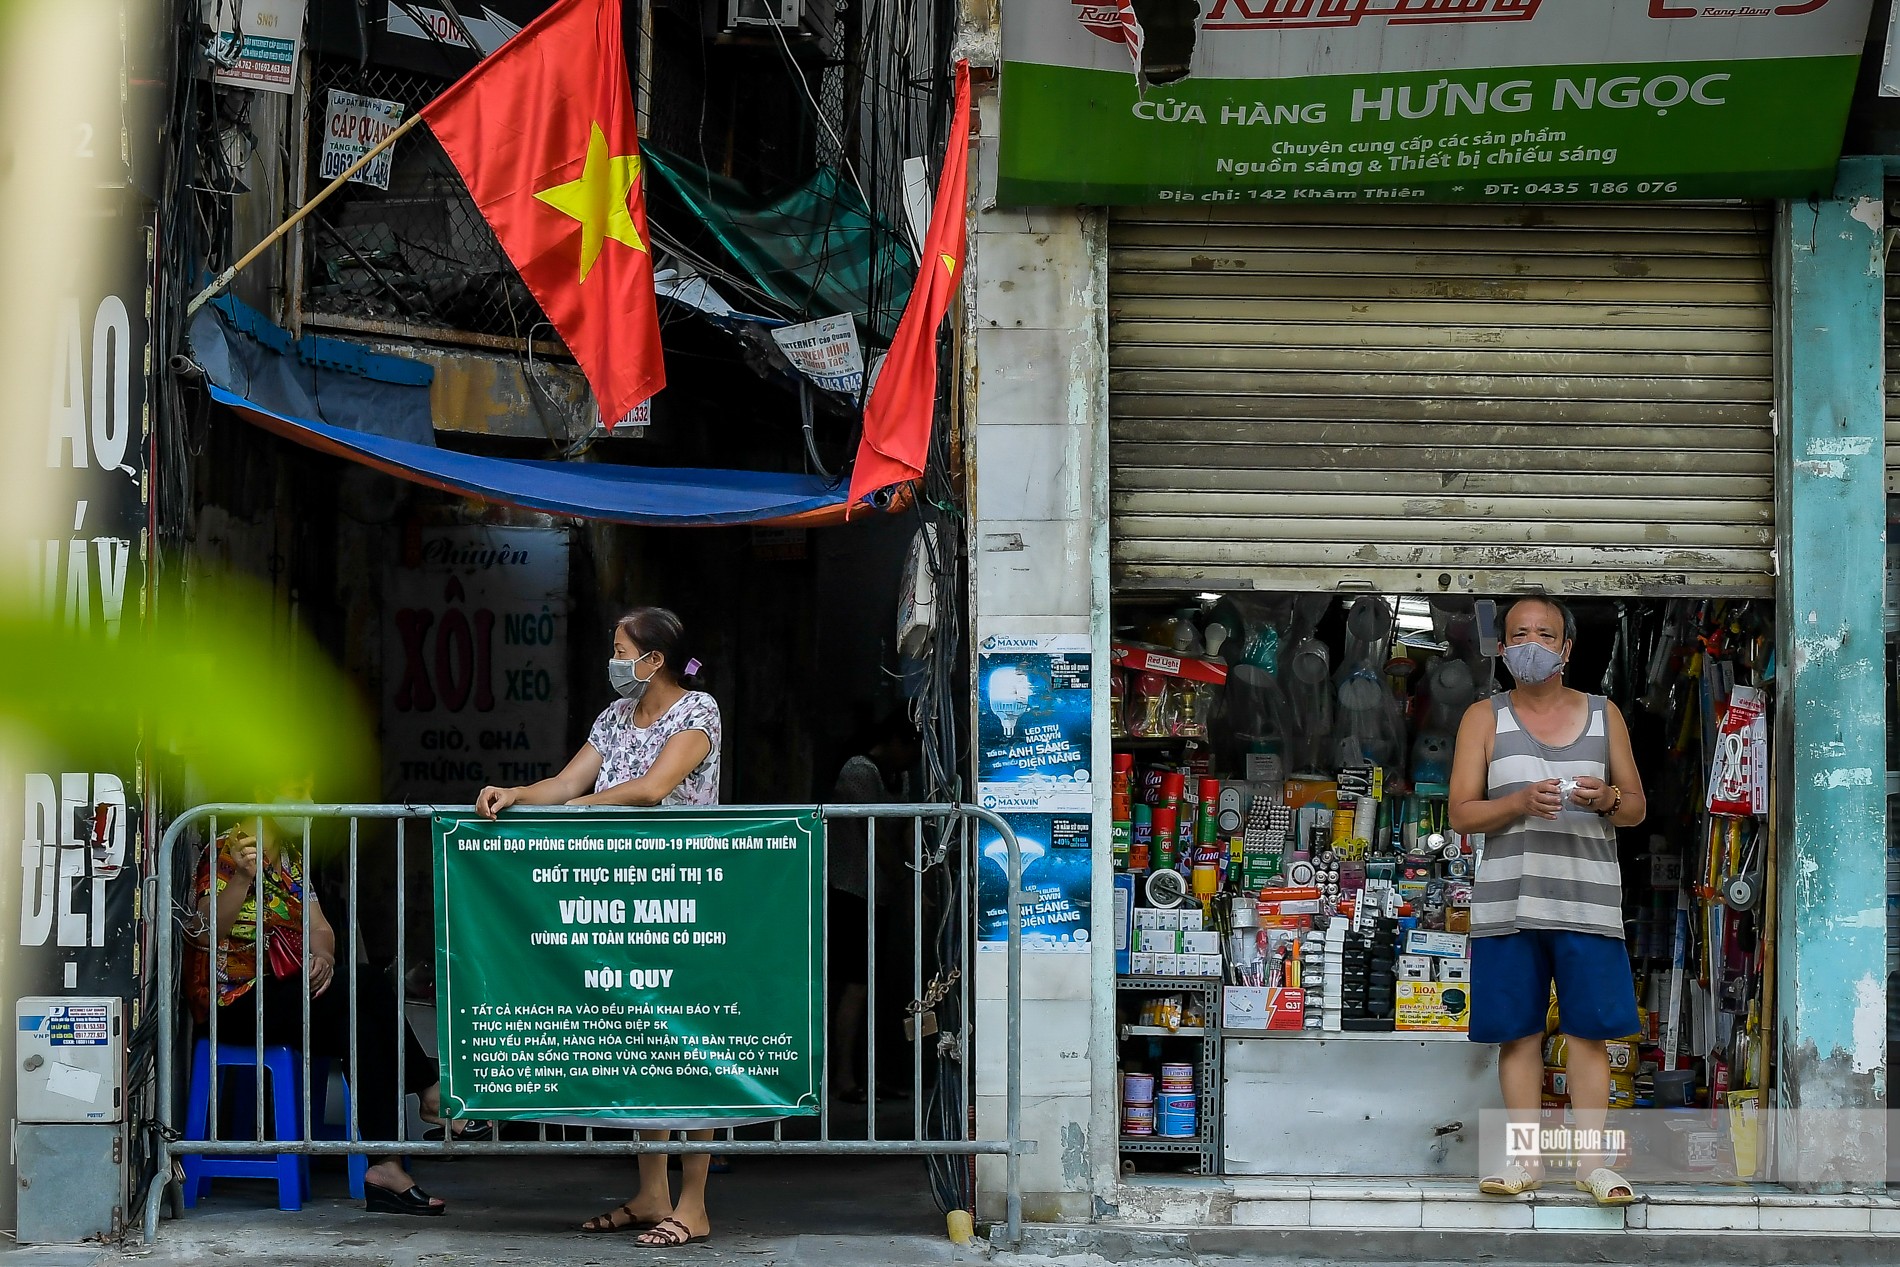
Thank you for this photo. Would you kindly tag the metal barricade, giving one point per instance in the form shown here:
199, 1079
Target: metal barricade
954, 834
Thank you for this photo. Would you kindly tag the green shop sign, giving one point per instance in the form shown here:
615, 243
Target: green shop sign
1423, 100
664, 966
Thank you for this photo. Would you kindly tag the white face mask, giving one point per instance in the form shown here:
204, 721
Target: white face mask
1532, 662
626, 682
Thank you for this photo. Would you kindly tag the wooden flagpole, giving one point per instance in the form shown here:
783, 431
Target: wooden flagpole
223, 279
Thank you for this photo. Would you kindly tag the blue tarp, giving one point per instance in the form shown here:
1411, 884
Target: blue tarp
342, 399
655, 496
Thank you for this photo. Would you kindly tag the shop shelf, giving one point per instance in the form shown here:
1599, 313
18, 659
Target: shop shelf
1165, 984
1156, 1144
1157, 1031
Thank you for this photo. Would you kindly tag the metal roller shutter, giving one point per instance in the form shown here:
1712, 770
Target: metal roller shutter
1442, 398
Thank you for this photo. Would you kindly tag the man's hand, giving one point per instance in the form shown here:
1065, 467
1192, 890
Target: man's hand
1542, 800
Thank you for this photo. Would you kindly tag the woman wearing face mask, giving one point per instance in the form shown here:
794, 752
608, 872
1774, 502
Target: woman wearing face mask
658, 744
1546, 774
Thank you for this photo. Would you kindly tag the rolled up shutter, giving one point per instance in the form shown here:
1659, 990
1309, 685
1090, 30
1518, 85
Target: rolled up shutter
1425, 398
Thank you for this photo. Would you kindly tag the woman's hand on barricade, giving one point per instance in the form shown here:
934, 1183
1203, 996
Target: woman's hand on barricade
322, 969
494, 800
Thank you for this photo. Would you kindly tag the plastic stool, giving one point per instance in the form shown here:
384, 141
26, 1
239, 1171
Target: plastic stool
290, 1170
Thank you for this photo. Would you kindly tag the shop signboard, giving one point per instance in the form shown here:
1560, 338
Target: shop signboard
474, 662
1425, 100
614, 965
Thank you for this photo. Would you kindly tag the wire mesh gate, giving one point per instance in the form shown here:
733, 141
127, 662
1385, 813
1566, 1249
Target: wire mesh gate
950, 837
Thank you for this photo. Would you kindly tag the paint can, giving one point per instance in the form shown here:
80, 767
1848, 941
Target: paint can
1178, 1078
1138, 1119
1138, 1088
1176, 1116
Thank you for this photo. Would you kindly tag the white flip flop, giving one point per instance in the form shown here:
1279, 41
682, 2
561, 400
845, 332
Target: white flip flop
1604, 1183
1514, 1180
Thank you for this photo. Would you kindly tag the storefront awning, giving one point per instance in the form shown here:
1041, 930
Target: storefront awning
684, 497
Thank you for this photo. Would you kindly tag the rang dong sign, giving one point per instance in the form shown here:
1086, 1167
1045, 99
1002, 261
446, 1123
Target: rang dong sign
1426, 100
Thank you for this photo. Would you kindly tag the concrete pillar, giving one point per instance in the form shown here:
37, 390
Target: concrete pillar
1831, 548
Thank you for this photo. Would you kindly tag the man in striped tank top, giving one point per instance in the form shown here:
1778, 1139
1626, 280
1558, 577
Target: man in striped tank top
1545, 773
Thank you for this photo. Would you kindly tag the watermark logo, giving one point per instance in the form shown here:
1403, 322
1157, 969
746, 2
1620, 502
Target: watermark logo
1528, 1140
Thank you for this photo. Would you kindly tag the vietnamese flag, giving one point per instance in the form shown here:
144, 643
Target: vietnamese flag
544, 135
897, 416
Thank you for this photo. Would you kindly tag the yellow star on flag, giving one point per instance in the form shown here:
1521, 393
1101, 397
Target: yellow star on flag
949, 264
599, 200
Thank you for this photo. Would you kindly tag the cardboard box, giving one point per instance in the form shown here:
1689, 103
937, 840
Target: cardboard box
1432, 1006
1124, 923
1190, 919
1158, 941
1200, 943
1255, 1009
1141, 660
1212, 965
1438, 945
1415, 968
1147, 917
1454, 971
1457, 919
1141, 964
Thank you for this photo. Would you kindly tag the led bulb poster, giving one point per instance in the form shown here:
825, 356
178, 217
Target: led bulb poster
1055, 854
1033, 723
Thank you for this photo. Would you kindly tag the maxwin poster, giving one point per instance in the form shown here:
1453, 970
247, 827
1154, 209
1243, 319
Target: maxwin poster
666, 966
1258, 101
1034, 766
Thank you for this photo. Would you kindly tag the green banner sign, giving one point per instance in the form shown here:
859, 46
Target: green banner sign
666, 966
1423, 100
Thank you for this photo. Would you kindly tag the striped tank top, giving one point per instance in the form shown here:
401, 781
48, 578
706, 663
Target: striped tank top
1560, 873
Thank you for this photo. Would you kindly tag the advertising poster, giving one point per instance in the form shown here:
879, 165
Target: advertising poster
1033, 724
475, 662
256, 42
353, 125
661, 966
1262, 101
826, 351
1055, 854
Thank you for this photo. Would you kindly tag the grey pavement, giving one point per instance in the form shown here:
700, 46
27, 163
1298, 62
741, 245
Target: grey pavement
769, 1212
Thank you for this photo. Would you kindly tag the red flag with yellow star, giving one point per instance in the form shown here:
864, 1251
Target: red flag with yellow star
897, 416
544, 135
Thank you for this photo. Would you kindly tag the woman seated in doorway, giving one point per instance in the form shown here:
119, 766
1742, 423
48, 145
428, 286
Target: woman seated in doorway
239, 859
658, 744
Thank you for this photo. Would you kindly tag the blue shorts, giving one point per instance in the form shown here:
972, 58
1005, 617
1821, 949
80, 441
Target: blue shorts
1511, 977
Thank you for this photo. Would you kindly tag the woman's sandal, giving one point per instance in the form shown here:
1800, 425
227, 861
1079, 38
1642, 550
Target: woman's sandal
381, 1200
619, 1219
1608, 1187
670, 1234
1513, 1180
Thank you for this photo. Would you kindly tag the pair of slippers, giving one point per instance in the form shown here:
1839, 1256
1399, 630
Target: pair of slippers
666, 1234
1604, 1184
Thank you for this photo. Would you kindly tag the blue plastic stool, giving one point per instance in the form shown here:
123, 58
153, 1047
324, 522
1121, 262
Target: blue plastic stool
290, 1170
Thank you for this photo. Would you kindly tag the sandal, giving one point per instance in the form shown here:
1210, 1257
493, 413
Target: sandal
1608, 1187
1514, 1180
670, 1234
381, 1200
612, 1222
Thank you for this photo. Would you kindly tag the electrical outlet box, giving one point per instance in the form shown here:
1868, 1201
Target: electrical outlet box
70, 1059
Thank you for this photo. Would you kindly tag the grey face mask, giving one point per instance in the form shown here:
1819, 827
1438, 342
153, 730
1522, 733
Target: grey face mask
626, 683
1532, 662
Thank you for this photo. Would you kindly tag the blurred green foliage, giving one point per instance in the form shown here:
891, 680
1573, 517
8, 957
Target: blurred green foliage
249, 707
